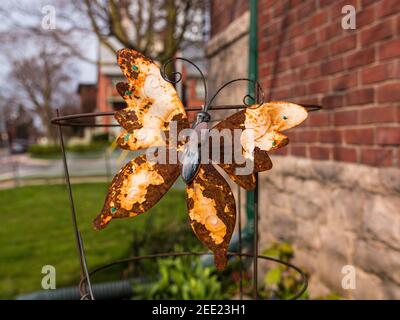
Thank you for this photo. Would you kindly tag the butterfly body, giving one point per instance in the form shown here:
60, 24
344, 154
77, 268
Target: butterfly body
191, 158
153, 110
190, 162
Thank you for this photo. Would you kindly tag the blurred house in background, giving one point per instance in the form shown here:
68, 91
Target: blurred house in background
88, 97
109, 74
334, 192
20, 130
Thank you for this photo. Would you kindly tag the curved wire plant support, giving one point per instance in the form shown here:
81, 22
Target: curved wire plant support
297, 295
85, 286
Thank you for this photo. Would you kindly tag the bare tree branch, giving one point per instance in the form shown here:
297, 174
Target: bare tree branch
42, 81
91, 15
157, 28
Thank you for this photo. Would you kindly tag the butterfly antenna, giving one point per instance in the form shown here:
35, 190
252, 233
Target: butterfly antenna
177, 76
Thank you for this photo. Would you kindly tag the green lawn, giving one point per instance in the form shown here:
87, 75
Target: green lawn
36, 230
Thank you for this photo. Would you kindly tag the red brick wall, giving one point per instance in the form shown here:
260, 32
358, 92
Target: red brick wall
305, 56
223, 12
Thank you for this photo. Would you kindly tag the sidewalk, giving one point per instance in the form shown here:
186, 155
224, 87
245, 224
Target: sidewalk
22, 169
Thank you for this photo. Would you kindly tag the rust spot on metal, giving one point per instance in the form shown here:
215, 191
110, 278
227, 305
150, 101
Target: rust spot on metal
136, 188
152, 103
262, 162
212, 211
263, 123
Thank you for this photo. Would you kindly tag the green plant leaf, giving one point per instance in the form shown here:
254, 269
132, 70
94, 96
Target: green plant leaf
273, 277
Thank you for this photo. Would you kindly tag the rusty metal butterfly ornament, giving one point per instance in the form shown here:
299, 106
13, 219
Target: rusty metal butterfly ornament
152, 106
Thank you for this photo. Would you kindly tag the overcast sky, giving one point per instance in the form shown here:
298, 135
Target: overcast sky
87, 71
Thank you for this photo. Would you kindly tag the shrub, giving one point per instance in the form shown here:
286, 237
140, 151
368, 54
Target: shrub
48, 150
100, 137
84, 148
281, 282
54, 150
182, 278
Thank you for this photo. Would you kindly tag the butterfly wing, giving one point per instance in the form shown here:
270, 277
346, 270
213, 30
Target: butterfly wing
260, 128
212, 211
138, 186
152, 104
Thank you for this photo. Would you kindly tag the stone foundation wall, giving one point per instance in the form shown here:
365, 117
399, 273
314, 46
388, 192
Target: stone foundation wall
336, 214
